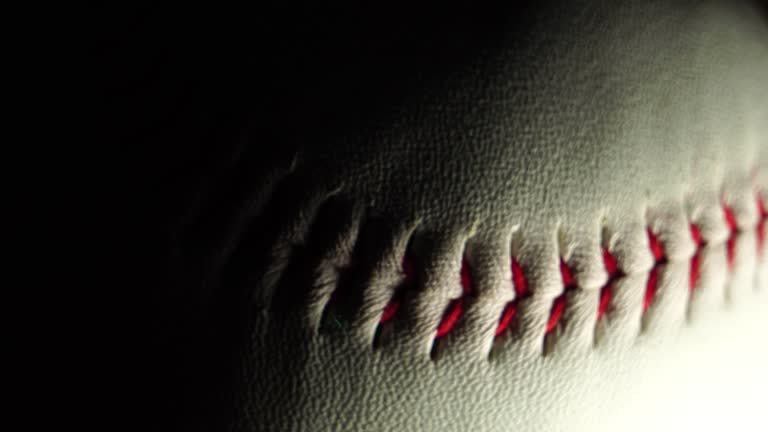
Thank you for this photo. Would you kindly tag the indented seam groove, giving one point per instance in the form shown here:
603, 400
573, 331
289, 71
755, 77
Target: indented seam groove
613, 268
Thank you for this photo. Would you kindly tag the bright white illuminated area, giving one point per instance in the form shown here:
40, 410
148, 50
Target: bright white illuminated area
712, 378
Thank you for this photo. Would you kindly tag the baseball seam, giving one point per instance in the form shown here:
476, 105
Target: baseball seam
456, 307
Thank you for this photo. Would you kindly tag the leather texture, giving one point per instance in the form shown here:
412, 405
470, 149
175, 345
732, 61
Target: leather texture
555, 132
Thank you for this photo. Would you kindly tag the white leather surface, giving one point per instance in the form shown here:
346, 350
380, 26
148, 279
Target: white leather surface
649, 115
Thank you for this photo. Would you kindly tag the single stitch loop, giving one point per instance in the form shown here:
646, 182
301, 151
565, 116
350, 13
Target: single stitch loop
606, 293
657, 249
456, 306
763, 217
733, 229
696, 259
558, 307
521, 290
394, 305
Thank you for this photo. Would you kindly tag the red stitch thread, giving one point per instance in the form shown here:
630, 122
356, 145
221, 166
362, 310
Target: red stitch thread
606, 293
390, 310
695, 263
610, 263
456, 306
521, 289
466, 278
394, 305
696, 259
730, 246
657, 249
650, 289
558, 307
451, 316
565, 272
510, 311
763, 212
730, 218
